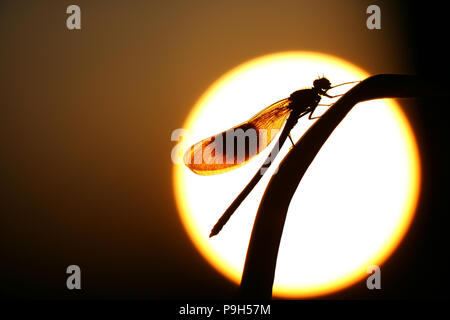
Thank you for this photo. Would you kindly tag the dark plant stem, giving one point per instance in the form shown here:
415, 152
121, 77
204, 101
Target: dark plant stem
259, 268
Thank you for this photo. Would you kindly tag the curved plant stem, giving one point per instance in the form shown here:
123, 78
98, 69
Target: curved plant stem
259, 269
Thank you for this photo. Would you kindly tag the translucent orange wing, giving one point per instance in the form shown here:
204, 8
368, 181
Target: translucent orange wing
236, 146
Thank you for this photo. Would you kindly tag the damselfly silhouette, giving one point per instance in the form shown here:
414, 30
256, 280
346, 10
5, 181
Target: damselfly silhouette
220, 153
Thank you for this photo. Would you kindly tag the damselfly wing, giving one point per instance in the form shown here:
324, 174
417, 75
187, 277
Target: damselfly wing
236, 146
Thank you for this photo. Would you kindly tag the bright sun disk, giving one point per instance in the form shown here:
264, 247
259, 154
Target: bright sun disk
352, 207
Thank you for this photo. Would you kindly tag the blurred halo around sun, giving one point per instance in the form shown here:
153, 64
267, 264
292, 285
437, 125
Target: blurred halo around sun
352, 207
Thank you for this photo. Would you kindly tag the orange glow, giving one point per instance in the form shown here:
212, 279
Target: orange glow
329, 239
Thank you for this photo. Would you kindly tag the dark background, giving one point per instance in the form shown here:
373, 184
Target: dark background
85, 123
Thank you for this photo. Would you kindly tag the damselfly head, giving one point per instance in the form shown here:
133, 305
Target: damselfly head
322, 84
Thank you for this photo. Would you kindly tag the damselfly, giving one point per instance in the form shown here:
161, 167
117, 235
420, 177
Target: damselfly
234, 147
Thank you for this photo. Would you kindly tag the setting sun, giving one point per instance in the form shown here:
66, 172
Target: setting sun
329, 238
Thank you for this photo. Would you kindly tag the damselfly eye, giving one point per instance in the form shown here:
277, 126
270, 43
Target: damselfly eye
322, 83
